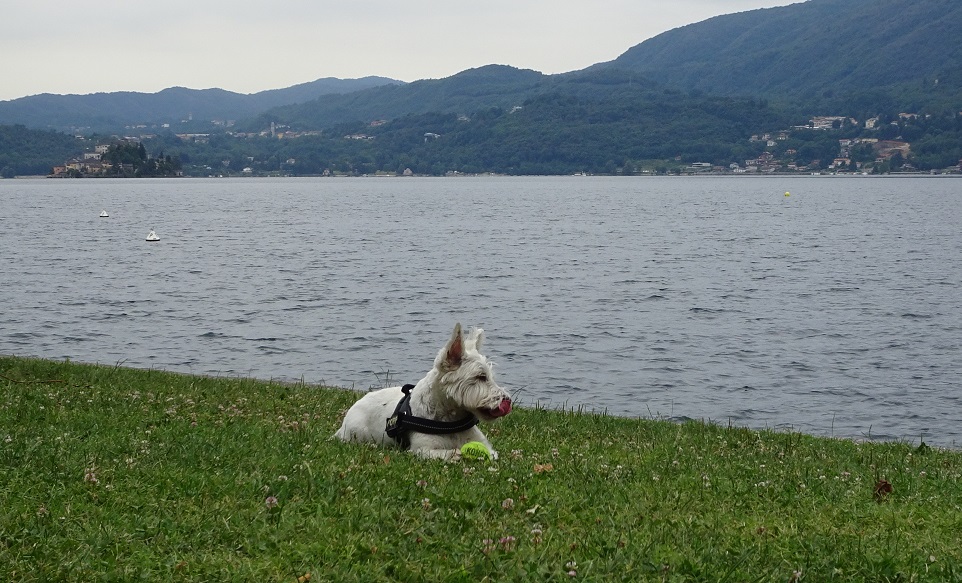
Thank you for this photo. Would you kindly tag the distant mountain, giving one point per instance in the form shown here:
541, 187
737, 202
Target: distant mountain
858, 58
468, 91
814, 49
850, 56
308, 91
111, 111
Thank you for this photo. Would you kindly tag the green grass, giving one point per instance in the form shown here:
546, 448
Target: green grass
109, 473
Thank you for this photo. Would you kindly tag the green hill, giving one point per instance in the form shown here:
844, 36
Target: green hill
34, 152
468, 91
596, 125
694, 94
816, 50
857, 57
111, 112
860, 56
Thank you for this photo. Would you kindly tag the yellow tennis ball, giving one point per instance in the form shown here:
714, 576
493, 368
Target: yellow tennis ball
475, 450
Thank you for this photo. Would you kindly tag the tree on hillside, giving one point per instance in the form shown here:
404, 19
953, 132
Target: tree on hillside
129, 159
34, 152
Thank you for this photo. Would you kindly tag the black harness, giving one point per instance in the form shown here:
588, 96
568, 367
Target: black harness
402, 422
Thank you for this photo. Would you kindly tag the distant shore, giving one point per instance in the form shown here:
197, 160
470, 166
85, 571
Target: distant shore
494, 175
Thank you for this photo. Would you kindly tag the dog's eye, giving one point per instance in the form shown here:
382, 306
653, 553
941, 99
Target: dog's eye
481, 378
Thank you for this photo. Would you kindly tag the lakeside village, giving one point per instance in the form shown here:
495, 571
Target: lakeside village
874, 155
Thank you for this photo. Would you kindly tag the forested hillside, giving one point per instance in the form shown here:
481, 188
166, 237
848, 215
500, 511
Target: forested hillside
553, 133
841, 85
489, 86
857, 57
627, 129
816, 51
113, 112
31, 152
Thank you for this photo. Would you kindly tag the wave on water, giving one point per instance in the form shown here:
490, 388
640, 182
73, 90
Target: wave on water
676, 298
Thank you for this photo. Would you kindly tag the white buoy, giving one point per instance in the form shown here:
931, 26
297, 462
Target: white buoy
103, 214
152, 236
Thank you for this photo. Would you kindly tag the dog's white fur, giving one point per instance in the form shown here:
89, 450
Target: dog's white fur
461, 382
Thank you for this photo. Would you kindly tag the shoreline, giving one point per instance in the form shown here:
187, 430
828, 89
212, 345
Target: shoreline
565, 407
495, 175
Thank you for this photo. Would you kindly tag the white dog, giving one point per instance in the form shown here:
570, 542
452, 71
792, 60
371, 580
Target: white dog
442, 410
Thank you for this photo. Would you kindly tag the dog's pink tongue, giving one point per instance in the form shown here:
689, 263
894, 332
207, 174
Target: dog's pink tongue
503, 409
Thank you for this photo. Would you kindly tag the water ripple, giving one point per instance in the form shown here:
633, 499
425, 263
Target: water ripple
835, 312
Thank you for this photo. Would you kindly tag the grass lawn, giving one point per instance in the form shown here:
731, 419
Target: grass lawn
108, 473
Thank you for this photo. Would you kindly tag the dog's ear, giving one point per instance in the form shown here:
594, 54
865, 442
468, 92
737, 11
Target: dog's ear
454, 350
475, 339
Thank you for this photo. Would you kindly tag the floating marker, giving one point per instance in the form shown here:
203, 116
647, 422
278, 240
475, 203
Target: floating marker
787, 194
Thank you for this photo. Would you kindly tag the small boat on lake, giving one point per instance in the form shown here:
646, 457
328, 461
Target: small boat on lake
152, 236
103, 214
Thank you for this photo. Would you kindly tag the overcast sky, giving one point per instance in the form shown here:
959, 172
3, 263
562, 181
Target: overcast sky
56, 46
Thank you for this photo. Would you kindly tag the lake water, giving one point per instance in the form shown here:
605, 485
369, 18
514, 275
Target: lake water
834, 311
